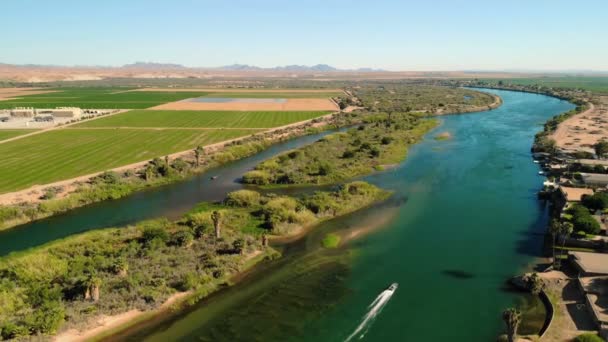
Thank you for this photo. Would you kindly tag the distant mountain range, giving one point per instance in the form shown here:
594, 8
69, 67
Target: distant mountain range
247, 67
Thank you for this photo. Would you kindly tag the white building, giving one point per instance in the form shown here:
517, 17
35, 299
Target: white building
23, 112
67, 112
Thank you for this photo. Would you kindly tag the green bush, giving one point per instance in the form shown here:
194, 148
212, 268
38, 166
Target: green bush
597, 201
583, 220
256, 177
243, 198
588, 337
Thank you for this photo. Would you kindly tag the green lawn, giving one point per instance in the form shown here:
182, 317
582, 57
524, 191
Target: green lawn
9, 133
121, 97
63, 154
163, 118
98, 98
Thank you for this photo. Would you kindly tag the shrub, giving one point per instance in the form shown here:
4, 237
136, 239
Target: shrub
588, 337
597, 201
243, 198
348, 154
387, 140
256, 177
154, 232
183, 238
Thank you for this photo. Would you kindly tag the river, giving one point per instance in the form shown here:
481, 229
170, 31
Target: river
464, 219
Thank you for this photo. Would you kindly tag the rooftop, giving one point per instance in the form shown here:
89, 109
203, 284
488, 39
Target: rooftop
594, 263
594, 177
575, 194
592, 162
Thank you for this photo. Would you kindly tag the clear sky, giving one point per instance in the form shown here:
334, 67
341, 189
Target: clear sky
394, 35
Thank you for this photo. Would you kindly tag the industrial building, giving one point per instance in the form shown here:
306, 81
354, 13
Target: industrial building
23, 112
59, 112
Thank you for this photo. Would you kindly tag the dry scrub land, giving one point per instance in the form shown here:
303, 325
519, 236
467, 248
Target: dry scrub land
582, 131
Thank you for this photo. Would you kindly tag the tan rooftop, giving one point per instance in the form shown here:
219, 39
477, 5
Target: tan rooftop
575, 194
591, 263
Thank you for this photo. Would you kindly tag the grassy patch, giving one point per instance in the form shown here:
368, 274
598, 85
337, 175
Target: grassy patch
63, 154
188, 118
10, 133
595, 84
331, 241
111, 98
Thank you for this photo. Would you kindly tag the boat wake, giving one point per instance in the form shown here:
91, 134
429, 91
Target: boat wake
374, 310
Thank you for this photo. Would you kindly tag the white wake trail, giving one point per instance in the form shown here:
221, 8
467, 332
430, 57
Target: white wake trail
374, 310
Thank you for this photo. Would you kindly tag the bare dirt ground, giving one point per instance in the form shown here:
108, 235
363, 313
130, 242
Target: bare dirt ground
9, 93
581, 131
289, 105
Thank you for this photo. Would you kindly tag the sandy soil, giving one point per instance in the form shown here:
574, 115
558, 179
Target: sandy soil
10, 93
104, 323
581, 131
32, 194
289, 105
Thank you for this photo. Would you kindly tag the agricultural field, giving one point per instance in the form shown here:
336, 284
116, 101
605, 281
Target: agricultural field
284, 95
9, 133
107, 98
595, 84
131, 98
67, 153
206, 119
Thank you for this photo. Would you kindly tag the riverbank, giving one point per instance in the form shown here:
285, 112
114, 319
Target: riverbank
112, 271
105, 326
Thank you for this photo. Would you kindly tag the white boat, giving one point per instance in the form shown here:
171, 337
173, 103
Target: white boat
541, 172
393, 287
536, 162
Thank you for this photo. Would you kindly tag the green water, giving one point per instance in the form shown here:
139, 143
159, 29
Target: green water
464, 219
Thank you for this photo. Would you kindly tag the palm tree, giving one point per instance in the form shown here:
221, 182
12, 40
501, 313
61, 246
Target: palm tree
563, 230
512, 318
198, 152
216, 216
91, 288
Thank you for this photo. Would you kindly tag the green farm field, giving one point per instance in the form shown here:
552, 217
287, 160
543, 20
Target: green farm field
64, 154
10, 133
211, 119
110, 98
126, 98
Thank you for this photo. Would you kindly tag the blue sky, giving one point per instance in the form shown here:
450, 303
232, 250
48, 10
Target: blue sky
394, 35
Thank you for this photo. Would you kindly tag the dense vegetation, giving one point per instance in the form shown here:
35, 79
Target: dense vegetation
423, 98
582, 220
206, 119
138, 267
594, 84
380, 141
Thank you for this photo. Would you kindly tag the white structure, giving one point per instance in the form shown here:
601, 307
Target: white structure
23, 112
67, 112
59, 112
